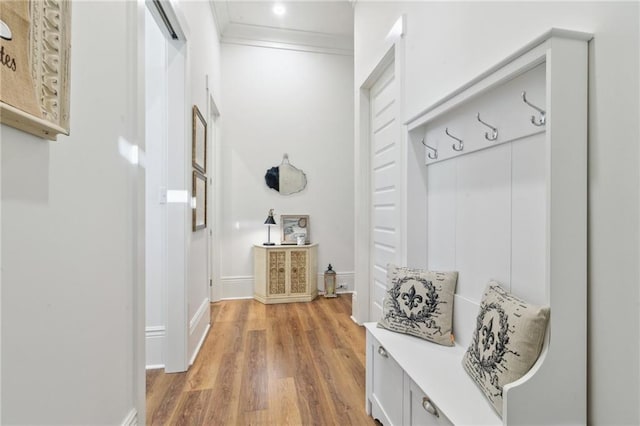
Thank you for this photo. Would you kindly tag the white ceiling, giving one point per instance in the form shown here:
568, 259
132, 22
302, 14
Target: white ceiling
319, 24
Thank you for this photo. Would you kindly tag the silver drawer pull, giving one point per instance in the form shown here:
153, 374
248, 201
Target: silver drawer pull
427, 405
383, 352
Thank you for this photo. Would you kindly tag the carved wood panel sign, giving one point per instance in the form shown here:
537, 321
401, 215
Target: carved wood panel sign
34, 66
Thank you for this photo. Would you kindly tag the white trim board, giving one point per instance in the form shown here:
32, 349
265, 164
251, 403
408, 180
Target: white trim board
155, 331
281, 38
287, 46
199, 345
131, 419
198, 328
197, 317
241, 287
346, 278
237, 287
496, 73
154, 346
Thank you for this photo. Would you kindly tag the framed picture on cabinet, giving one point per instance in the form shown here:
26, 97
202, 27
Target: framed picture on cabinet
294, 229
199, 201
199, 142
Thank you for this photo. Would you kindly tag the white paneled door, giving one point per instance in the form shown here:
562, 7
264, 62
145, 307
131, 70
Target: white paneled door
385, 180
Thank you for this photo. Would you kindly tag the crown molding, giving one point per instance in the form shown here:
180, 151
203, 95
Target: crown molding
220, 12
230, 32
280, 38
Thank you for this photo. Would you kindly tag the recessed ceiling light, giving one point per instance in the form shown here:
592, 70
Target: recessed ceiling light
279, 9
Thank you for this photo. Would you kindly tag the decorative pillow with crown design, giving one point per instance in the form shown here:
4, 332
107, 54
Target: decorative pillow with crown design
420, 303
506, 341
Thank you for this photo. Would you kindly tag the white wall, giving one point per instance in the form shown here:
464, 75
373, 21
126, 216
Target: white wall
68, 233
447, 44
294, 102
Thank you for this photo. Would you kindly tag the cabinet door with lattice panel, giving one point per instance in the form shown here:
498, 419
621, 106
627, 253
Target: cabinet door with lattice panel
298, 271
277, 273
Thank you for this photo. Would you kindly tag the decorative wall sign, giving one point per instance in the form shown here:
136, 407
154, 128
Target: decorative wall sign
199, 142
34, 66
199, 207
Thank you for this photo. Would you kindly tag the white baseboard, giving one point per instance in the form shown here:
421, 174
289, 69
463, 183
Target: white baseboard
346, 278
354, 308
239, 287
199, 345
131, 419
198, 329
153, 366
154, 346
197, 317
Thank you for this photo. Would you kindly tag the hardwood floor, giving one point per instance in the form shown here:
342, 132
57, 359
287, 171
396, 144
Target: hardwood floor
285, 364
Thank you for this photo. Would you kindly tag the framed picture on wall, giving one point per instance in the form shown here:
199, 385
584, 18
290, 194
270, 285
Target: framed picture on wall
199, 142
293, 227
199, 201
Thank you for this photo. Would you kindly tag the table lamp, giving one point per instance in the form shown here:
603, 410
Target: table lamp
270, 221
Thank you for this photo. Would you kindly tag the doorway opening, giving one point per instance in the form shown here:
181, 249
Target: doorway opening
167, 203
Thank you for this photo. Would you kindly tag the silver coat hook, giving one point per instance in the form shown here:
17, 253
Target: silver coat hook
494, 132
460, 146
433, 156
543, 117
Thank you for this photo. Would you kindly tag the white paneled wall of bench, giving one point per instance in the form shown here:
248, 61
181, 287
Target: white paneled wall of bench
506, 179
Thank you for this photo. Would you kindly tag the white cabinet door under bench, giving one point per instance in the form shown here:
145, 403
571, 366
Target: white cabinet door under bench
403, 370
420, 408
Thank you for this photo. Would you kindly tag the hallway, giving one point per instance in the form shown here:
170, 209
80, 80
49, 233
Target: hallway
299, 363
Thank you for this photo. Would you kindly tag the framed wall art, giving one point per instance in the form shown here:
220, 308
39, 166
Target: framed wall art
292, 227
199, 143
34, 69
199, 206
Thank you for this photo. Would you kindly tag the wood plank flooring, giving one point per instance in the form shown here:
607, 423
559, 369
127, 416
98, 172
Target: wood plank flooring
285, 364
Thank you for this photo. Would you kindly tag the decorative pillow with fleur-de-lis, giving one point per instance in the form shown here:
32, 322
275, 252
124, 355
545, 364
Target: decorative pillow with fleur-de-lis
420, 303
506, 341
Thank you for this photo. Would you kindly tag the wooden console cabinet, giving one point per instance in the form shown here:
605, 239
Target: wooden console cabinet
284, 274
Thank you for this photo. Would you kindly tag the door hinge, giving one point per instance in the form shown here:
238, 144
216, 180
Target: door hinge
210, 282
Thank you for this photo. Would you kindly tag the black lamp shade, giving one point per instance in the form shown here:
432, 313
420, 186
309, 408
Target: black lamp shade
270, 220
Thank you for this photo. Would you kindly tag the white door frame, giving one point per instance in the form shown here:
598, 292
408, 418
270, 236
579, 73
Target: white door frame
363, 243
178, 207
214, 193
177, 327
394, 54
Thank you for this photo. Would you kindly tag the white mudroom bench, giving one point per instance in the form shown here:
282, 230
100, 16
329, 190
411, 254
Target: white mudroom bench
509, 206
